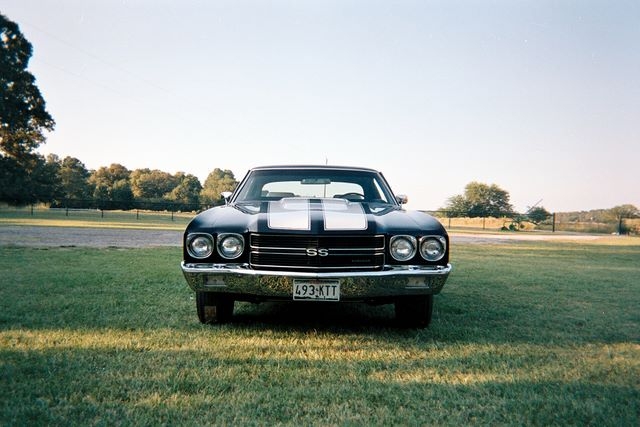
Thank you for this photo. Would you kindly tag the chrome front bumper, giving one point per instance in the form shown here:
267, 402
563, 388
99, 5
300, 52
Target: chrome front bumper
239, 279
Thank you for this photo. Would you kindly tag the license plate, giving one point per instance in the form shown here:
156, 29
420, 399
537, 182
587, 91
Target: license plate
316, 290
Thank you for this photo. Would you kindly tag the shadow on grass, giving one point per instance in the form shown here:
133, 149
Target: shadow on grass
458, 317
349, 318
327, 316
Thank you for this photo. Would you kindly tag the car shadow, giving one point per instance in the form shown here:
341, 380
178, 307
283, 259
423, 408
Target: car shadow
307, 316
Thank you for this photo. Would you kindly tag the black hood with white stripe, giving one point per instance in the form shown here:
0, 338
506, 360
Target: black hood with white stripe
314, 216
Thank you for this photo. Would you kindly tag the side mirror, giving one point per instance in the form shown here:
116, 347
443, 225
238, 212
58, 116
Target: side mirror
226, 195
402, 199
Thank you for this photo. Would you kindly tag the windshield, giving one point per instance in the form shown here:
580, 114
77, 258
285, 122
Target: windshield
352, 185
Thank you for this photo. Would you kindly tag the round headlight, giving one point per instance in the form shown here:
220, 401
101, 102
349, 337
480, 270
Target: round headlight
433, 248
200, 246
402, 248
230, 246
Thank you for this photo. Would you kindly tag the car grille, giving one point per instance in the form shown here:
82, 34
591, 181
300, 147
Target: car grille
321, 253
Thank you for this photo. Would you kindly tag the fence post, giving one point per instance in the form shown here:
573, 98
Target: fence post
553, 222
484, 222
31, 209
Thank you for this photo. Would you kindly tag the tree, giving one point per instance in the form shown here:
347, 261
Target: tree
121, 195
218, 181
74, 177
151, 184
23, 119
458, 206
538, 214
28, 180
187, 192
622, 212
46, 178
480, 200
111, 187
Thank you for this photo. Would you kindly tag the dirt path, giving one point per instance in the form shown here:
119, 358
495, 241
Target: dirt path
86, 237
505, 237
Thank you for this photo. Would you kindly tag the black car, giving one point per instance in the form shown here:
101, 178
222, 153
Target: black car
315, 233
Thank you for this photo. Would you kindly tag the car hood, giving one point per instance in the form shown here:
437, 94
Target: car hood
314, 216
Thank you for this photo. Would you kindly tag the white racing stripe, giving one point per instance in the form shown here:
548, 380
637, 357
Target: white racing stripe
340, 214
289, 214
295, 214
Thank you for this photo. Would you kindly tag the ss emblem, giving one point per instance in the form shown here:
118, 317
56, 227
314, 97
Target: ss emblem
317, 252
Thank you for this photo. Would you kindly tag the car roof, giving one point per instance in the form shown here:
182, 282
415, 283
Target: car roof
321, 167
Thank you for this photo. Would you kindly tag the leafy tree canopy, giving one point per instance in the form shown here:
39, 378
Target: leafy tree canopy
480, 200
151, 184
187, 191
624, 212
24, 175
23, 116
218, 181
111, 185
74, 179
538, 214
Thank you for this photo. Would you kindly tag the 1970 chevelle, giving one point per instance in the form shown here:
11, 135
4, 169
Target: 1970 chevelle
315, 233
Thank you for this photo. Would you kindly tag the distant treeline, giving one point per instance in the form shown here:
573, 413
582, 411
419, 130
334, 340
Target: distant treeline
67, 183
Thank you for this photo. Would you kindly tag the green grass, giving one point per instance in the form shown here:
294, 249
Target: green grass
523, 333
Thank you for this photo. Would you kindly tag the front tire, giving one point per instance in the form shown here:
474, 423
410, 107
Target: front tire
414, 311
214, 308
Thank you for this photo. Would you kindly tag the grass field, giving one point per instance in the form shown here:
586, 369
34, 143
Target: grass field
524, 333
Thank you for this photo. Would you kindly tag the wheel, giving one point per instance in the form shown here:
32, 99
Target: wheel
414, 311
214, 308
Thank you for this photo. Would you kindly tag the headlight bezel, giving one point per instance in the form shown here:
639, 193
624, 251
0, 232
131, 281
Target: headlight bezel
394, 241
224, 237
441, 241
205, 238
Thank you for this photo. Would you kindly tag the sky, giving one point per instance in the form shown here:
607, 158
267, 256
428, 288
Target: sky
539, 97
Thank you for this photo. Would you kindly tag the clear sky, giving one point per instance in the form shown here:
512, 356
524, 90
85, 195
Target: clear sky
539, 97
